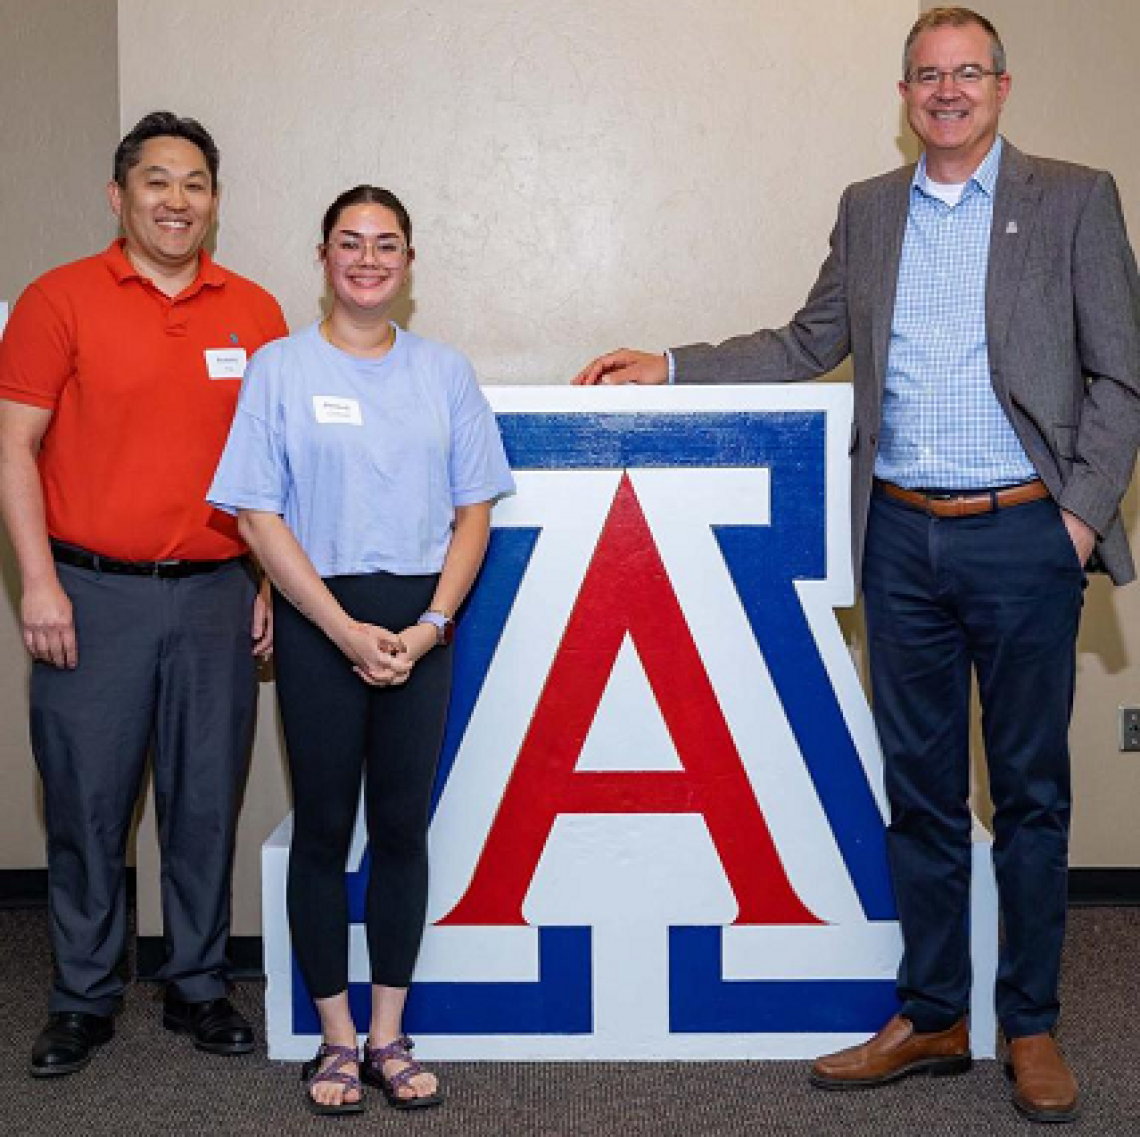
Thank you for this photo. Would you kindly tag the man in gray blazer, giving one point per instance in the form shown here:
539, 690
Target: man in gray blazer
991, 304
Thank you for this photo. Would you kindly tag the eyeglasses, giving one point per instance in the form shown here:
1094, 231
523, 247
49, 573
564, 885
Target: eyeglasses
347, 250
968, 75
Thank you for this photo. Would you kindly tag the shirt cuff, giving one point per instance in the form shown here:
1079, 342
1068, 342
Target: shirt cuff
672, 377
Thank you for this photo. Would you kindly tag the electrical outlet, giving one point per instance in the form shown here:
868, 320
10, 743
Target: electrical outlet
1129, 728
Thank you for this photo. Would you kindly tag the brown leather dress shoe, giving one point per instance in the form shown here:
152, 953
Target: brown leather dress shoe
896, 1051
1044, 1088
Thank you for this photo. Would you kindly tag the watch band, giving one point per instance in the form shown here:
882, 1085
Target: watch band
444, 625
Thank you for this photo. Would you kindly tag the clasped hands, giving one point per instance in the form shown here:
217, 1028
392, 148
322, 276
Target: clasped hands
382, 658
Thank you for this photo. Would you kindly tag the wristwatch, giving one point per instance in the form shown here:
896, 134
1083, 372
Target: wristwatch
444, 625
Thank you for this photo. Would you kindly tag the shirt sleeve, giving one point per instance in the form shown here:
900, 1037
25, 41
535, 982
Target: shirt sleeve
478, 464
253, 471
37, 354
274, 321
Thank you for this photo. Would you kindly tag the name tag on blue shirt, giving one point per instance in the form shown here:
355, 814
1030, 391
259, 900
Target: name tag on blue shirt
336, 409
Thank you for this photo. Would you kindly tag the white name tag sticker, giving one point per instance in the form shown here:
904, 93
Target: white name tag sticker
225, 362
335, 409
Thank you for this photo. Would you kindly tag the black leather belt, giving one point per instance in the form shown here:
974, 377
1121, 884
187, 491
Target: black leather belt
82, 558
968, 503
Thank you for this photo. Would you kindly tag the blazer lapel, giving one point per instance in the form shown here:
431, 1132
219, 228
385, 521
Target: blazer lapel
1016, 201
890, 229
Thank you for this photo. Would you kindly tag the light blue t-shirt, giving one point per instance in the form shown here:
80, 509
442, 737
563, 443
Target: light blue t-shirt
365, 459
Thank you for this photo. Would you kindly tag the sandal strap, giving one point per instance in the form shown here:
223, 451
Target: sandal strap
349, 1081
398, 1050
334, 1072
404, 1076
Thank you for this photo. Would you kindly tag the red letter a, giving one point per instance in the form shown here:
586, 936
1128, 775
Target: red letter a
626, 589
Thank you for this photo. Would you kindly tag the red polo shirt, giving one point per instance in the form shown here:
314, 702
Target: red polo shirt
138, 419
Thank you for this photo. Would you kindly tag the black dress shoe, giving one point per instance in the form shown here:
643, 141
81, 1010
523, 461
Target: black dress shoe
215, 1025
65, 1044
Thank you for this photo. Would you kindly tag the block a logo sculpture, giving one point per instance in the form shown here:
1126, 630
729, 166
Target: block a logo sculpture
658, 827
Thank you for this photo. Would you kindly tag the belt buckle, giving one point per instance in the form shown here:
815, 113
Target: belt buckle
158, 567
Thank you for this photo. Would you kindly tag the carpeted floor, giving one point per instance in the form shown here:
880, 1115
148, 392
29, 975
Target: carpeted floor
148, 1081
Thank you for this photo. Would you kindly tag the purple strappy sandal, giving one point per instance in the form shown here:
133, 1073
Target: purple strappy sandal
311, 1074
372, 1072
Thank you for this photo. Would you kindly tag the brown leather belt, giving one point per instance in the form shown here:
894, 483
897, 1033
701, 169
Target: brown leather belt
966, 504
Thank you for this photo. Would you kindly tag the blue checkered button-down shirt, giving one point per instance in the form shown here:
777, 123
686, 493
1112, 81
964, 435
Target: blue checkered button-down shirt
943, 427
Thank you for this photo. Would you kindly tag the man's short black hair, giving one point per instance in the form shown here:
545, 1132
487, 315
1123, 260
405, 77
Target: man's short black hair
164, 124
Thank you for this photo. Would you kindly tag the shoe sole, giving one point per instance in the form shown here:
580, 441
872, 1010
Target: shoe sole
58, 1070
345, 1109
226, 1049
1046, 1116
935, 1067
406, 1104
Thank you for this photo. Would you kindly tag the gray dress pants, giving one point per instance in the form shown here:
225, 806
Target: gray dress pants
165, 667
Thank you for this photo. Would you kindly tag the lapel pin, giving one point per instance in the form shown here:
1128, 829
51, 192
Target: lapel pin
1011, 226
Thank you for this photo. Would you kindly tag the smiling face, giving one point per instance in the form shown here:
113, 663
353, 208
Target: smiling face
166, 208
366, 258
956, 122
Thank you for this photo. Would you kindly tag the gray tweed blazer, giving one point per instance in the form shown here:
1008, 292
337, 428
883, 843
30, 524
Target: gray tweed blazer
1062, 323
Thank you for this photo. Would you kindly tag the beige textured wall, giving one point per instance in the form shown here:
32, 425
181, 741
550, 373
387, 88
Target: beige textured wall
59, 123
579, 177
578, 174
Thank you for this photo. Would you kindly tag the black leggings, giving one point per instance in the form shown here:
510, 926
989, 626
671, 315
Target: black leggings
339, 730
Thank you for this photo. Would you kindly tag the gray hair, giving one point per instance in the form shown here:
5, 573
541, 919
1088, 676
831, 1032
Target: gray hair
955, 18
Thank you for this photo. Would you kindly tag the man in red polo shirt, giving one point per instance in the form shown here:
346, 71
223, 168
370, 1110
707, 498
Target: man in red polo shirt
119, 375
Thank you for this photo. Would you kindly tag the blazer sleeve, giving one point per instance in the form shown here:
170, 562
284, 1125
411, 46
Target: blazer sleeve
816, 341
1106, 304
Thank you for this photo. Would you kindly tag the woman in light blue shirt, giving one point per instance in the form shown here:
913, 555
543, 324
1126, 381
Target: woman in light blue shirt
362, 465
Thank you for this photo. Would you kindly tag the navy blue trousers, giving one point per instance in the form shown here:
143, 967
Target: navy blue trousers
998, 595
